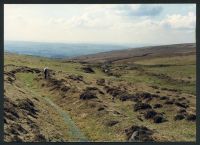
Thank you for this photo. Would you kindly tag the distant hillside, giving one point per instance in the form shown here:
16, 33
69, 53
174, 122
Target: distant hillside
137, 53
58, 50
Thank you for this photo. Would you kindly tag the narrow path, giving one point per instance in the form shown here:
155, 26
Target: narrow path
73, 131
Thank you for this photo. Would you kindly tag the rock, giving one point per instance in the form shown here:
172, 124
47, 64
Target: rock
65, 89
13, 130
16, 138
182, 111
57, 84
112, 123
157, 106
169, 102
179, 117
146, 95
5, 121
139, 118
181, 98
11, 115
91, 89
88, 70
157, 92
10, 110
164, 98
40, 138
94, 89
10, 80
116, 112
182, 104
134, 137
139, 133
113, 91
117, 93
21, 129
25, 70
88, 95
159, 118
191, 117
150, 114
141, 106
135, 99
100, 82
28, 105
101, 108
76, 77
155, 87
125, 96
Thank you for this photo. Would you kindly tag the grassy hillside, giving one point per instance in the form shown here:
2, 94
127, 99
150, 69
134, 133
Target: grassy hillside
100, 101
134, 54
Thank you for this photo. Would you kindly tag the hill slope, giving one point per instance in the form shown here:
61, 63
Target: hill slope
154, 96
140, 53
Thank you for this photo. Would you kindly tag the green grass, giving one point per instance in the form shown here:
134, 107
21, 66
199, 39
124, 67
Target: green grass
92, 122
180, 60
37, 62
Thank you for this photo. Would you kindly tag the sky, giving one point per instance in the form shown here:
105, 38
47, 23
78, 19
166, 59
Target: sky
101, 23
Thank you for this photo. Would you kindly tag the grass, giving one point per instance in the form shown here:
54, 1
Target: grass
170, 60
28, 81
93, 123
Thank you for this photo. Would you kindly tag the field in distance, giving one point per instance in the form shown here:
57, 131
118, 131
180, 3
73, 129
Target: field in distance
146, 94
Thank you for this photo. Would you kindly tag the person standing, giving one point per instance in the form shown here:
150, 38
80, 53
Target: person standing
46, 72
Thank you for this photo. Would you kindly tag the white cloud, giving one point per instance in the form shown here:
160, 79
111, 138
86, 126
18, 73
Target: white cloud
108, 16
139, 10
107, 23
112, 17
177, 21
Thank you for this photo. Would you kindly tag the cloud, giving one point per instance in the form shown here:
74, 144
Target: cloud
169, 22
177, 21
96, 17
106, 16
139, 10
108, 23
120, 17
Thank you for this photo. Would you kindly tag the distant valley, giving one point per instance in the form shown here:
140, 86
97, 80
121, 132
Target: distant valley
59, 50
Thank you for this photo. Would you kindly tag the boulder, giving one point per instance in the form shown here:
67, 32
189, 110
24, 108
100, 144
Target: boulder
113, 91
40, 138
159, 118
112, 123
157, 106
169, 102
88, 95
191, 117
182, 104
65, 89
164, 98
101, 108
125, 96
179, 117
139, 133
88, 69
150, 114
141, 106
100, 82
76, 77
29, 107
182, 111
